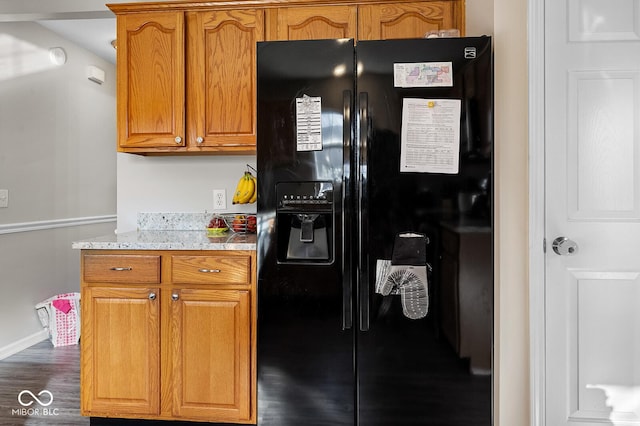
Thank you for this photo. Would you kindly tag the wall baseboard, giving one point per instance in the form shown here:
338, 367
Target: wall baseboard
24, 343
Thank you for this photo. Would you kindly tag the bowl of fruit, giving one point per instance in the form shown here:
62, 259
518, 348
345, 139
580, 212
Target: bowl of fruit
217, 225
242, 223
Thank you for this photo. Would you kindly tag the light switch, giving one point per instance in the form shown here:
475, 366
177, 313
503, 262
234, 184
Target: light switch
4, 198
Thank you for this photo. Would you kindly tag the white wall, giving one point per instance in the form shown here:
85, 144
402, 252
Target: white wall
479, 17
57, 159
176, 184
511, 207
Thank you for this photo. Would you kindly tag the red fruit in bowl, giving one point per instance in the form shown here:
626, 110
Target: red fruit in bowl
217, 225
217, 222
252, 224
239, 223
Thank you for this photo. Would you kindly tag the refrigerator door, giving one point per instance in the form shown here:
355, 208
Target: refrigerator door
410, 371
305, 334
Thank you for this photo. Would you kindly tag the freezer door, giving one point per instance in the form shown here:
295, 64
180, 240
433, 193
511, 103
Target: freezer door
414, 366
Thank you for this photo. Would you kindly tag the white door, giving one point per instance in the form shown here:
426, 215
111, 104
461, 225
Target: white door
592, 142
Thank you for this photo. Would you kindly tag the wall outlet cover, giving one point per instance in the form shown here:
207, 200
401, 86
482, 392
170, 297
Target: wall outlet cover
219, 199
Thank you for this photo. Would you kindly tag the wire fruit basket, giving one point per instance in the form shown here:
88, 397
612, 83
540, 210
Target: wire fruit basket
241, 223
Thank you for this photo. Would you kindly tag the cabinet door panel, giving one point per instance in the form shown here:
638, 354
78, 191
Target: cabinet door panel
120, 350
211, 332
222, 74
150, 80
313, 23
406, 20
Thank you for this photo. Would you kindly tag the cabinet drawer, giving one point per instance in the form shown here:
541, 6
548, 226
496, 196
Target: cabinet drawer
143, 269
211, 269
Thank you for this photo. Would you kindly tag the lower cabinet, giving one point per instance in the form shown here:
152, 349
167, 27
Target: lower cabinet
211, 353
171, 351
120, 350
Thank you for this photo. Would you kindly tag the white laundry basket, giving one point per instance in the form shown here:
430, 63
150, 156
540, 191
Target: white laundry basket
60, 316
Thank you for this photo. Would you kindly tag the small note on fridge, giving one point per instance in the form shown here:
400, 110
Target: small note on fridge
423, 74
430, 138
309, 123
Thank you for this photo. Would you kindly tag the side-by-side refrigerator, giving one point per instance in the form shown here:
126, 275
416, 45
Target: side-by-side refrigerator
375, 232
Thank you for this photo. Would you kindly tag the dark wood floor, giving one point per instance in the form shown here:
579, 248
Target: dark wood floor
57, 370
42, 367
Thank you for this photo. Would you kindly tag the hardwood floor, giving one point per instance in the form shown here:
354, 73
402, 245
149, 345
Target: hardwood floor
57, 370
36, 369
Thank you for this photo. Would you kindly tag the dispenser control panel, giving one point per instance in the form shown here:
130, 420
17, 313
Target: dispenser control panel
304, 195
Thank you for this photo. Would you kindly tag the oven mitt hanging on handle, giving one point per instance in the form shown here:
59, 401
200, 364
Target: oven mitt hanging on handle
409, 274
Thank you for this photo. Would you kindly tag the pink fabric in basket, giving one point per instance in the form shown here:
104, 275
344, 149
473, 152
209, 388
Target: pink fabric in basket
63, 305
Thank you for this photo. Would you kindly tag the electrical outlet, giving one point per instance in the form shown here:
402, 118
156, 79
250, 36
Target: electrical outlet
4, 198
219, 199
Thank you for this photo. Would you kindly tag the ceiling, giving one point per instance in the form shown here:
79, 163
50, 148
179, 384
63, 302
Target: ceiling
94, 35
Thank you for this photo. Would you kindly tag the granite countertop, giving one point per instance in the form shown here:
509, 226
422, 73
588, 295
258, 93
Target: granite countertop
169, 231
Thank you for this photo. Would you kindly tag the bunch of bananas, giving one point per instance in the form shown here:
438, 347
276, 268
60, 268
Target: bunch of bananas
246, 190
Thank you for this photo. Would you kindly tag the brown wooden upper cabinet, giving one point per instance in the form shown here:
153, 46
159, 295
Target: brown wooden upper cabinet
312, 23
364, 21
187, 72
186, 81
408, 20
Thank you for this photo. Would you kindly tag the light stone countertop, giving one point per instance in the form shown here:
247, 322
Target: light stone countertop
169, 240
169, 231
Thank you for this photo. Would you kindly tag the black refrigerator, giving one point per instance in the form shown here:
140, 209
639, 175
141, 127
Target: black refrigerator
375, 231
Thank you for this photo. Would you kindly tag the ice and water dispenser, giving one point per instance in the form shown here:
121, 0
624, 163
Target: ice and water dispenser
305, 222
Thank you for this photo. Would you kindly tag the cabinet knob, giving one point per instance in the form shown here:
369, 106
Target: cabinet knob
199, 139
152, 296
178, 139
175, 296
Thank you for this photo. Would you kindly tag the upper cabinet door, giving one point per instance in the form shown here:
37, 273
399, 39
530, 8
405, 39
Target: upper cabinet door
408, 20
221, 72
151, 80
313, 23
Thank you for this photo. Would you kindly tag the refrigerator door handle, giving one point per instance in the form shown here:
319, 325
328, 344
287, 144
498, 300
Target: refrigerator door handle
347, 275
363, 197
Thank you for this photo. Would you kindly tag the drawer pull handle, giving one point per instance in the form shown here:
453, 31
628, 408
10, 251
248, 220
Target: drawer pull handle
209, 271
121, 268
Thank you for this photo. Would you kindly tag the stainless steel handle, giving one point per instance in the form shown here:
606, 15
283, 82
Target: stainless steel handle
199, 139
347, 274
175, 297
122, 268
563, 246
209, 271
178, 139
152, 296
362, 194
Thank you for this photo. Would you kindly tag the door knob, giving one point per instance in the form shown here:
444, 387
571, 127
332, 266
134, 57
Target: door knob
564, 246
